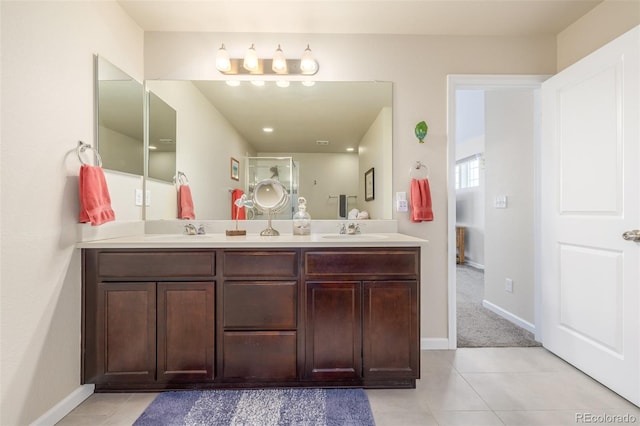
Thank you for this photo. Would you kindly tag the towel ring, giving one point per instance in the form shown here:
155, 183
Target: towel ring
82, 147
180, 179
419, 171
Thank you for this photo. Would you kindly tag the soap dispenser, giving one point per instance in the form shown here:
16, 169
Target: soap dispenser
302, 219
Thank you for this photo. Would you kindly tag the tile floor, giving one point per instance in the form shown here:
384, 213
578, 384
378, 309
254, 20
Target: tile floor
474, 387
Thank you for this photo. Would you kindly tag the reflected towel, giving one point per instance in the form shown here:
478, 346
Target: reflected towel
185, 203
95, 202
342, 207
421, 209
237, 213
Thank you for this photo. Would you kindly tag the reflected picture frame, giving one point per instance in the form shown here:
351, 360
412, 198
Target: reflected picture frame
369, 187
235, 169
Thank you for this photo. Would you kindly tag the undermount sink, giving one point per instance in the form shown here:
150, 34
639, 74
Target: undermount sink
353, 236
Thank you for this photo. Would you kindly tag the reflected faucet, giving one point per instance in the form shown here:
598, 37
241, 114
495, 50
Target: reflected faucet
190, 229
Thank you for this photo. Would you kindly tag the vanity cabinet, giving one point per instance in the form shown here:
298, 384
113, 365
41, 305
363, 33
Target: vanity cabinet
157, 319
362, 315
259, 316
148, 318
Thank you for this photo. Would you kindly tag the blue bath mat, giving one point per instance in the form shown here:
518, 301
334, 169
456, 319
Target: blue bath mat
278, 407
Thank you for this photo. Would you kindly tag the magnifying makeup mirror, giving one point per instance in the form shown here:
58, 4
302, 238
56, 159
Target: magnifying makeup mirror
270, 196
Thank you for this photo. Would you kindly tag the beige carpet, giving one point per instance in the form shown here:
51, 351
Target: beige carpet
478, 327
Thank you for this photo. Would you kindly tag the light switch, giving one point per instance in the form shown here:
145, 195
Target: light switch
147, 200
501, 202
138, 197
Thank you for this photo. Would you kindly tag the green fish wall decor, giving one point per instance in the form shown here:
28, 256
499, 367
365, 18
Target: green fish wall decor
421, 131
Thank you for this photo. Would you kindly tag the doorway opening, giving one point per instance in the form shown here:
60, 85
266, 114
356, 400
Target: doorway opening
493, 144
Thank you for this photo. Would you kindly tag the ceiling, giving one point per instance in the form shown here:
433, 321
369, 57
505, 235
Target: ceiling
442, 17
417, 17
338, 114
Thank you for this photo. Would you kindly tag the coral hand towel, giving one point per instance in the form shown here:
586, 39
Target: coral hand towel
421, 209
95, 202
185, 203
237, 213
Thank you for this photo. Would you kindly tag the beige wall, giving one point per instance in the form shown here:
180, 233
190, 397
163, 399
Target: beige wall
418, 67
374, 151
508, 238
47, 99
602, 24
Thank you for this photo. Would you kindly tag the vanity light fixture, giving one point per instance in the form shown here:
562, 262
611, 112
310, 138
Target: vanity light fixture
308, 64
223, 62
250, 62
278, 65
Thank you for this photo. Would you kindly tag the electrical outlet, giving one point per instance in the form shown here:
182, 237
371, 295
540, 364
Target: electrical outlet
508, 285
147, 199
402, 205
501, 202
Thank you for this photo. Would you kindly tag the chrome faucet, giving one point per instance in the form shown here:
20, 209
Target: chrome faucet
353, 228
190, 229
343, 229
201, 230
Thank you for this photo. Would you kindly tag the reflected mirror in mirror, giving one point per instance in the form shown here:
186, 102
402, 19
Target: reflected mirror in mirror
119, 119
334, 131
162, 139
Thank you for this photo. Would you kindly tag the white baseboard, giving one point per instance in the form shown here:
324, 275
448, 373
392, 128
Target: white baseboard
509, 316
64, 407
474, 264
434, 343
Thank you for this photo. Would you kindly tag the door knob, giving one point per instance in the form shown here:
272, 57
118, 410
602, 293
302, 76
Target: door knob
632, 235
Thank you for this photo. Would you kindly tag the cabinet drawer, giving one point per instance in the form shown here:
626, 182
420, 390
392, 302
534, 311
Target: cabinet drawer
362, 262
157, 264
260, 264
260, 355
260, 304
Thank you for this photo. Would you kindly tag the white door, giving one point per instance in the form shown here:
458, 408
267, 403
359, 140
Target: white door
590, 192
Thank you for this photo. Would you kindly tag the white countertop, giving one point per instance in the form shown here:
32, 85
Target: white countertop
219, 240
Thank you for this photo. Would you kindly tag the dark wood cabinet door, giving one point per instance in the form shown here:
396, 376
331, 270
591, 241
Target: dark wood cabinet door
390, 330
333, 330
126, 332
186, 331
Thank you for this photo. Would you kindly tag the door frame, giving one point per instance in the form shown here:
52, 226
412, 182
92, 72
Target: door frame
484, 82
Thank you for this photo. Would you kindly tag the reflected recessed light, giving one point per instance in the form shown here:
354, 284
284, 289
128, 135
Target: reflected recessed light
282, 83
233, 83
308, 83
350, 149
258, 83
152, 147
267, 129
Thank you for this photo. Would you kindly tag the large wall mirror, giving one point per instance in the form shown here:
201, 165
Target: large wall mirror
120, 118
333, 132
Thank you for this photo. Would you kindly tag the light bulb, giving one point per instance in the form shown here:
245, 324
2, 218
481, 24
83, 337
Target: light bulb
250, 62
223, 63
279, 64
308, 64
